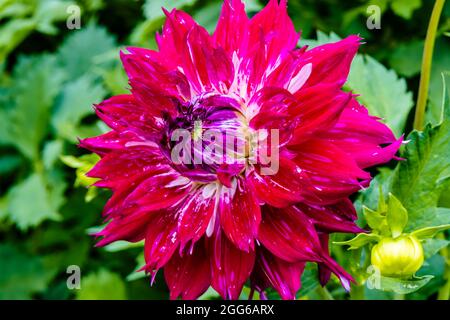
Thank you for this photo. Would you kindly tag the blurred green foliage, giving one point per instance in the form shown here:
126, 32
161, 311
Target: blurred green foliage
51, 76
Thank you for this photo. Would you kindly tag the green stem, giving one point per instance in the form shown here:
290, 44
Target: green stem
444, 291
357, 292
324, 293
426, 64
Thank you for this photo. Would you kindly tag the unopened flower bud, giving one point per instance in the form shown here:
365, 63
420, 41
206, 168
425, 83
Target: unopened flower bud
400, 257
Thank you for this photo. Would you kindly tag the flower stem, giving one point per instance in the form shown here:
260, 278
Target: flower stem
426, 64
324, 293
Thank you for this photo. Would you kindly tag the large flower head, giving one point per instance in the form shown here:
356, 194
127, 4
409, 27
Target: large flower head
265, 205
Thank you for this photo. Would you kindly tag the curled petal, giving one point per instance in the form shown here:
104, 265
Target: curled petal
161, 240
188, 276
173, 37
240, 215
331, 62
230, 267
194, 216
283, 276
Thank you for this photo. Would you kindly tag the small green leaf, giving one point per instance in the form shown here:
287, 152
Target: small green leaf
429, 232
103, 285
30, 202
405, 8
153, 8
375, 219
36, 82
74, 106
51, 153
400, 286
21, 274
79, 51
432, 246
136, 273
360, 240
397, 216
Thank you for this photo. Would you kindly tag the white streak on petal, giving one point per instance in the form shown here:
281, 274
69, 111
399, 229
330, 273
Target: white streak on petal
300, 78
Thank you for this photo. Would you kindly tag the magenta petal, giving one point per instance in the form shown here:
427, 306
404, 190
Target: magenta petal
194, 216
161, 241
318, 110
230, 267
324, 271
173, 37
284, 188
227, 35
331, 62
277, 29
188, 276
289, 235
333, 173
240, 215
206, 67
338, 217
130, 228
270, 271
363, 142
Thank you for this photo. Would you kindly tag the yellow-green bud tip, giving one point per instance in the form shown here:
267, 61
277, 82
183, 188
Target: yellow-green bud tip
400, 257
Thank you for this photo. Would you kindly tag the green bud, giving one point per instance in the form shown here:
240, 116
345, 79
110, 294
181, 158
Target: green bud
400, 257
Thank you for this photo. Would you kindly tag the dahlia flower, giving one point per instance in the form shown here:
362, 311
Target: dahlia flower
248, 215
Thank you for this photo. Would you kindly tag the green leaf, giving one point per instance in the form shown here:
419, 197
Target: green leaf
309, 280
418, 181
432, 246
208, 15
406, 59
9, 163
48, 12
36, 83
360, 240
405, 8
30, 202
402, 286
397, 216
79, 52
153, 8
136, 274
21, 274
12, 34
376, 220
51, 153
383, 93
73, 106
83, 164
103, 285
123, 245
429, 232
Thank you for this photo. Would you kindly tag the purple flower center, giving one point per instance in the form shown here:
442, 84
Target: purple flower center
208, 140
